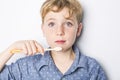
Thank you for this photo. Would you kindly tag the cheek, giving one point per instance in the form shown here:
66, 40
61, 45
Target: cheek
46, 32
49, 39
72, 36
49, 36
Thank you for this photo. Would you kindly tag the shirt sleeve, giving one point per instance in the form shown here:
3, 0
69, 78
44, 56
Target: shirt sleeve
101, 74
11, 72
97, 72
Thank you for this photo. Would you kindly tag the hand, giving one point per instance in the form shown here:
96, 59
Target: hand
29, 47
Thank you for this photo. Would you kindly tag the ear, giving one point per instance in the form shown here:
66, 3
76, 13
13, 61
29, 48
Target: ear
79, 29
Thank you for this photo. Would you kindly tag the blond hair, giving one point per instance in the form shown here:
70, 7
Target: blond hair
73, 6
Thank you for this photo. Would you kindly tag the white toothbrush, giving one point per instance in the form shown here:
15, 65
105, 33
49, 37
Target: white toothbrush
55, 49
47, 49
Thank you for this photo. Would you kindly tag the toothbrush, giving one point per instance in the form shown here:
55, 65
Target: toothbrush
55, 49
47, 49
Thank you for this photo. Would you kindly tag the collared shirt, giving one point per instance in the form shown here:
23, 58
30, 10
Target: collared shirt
40, 67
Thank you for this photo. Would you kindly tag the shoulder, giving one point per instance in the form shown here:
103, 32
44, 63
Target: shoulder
24, 64
93, 67
84, 61
89, 62
29, 59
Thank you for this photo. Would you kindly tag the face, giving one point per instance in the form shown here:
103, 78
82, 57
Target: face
61, 30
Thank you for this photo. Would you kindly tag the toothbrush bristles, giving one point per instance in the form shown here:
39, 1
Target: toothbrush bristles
57, 48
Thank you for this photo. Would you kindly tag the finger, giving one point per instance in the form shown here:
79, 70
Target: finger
39, 48
24, 49
28, 46
33, 46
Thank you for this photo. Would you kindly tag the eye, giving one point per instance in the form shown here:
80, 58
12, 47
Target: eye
51, 24
69, 24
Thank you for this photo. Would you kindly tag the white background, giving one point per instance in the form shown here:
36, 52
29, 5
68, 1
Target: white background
20, 20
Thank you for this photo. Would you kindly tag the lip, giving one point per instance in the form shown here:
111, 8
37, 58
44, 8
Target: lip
60, 41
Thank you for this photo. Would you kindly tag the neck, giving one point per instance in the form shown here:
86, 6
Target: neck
63, 55
63, 60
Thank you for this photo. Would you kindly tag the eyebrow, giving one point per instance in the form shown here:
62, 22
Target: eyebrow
67, 18
50, 19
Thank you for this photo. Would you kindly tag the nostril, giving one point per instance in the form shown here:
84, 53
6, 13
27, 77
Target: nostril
60, 31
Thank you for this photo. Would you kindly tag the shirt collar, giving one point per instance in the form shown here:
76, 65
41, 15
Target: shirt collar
80, 59
43, 61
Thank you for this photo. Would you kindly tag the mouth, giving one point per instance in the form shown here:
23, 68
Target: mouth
60, 41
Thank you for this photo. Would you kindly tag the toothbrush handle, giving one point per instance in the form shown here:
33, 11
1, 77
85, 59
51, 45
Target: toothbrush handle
15, 51
18, 50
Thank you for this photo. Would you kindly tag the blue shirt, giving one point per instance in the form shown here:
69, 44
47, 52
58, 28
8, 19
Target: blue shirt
40, 67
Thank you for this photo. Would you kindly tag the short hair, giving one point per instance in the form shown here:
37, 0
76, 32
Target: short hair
73, 6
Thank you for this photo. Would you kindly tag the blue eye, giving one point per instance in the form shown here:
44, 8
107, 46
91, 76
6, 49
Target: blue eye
51, 24
69, 24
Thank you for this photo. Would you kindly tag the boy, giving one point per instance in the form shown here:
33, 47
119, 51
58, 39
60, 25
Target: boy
61, 25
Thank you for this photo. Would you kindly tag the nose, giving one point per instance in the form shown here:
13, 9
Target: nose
60, 31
